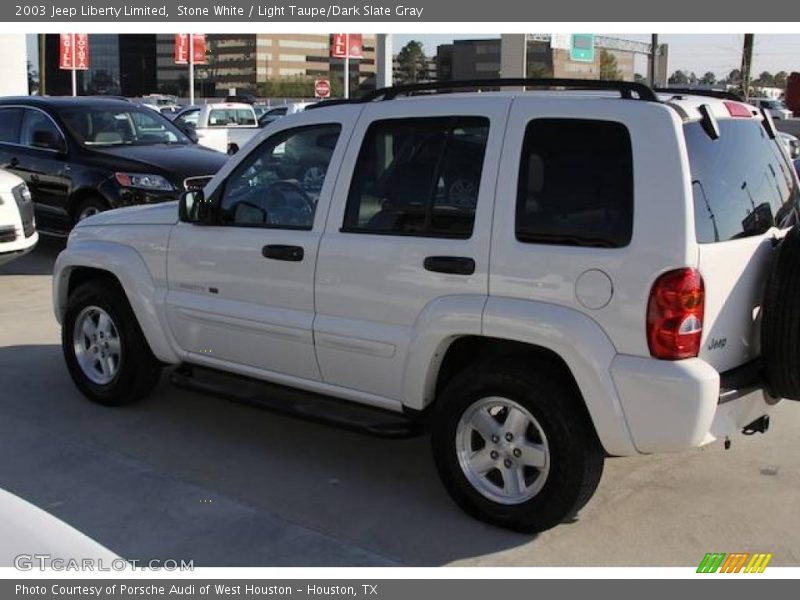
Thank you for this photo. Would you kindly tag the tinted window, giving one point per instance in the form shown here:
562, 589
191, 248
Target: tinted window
575, 184
10, 119
36, 122
279, 184
225, 117
742, 183
418, 177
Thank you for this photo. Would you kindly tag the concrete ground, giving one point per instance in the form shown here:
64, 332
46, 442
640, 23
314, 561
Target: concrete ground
187, 476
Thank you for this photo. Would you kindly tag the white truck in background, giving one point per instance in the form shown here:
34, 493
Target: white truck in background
224, 127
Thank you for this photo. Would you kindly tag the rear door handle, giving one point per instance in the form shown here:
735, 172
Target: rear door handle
455, 265
283, 252
13, 162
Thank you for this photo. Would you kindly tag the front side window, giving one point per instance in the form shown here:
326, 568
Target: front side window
418, 177
279, 184
575, 184
39, 131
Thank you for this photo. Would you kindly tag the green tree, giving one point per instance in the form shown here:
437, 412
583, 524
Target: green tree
679, 78
708, 78
780, 79
735, 77
411, 62
608, 66
765, 79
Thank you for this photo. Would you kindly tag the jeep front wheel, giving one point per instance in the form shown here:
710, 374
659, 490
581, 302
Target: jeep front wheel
106, 353
514, 448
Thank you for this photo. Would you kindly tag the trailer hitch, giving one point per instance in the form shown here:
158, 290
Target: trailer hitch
760, 425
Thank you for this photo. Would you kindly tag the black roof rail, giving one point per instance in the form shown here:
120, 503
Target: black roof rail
626, 89
681, 91
333, 102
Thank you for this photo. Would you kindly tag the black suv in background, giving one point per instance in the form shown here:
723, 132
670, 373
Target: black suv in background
80, 156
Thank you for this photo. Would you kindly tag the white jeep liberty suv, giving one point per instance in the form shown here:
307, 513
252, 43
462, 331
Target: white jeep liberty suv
540, 279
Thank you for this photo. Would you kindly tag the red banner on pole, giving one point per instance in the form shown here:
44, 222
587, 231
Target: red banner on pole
74, 51
182, 48
66, 52
340, 42
199, 47
81, 51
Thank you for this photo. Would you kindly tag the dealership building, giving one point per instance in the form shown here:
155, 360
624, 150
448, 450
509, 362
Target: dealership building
139, 64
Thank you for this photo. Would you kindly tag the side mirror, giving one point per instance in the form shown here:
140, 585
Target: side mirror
193, 207
189, 130
44, 138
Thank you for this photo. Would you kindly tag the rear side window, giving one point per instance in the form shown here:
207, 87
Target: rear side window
742, 183
10, 120
224, 117
418, 177
575, 184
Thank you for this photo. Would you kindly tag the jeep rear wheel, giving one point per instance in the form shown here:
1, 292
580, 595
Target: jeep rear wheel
514, 447
106, 353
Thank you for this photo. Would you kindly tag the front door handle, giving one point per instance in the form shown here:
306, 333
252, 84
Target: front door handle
283, 252
455, 265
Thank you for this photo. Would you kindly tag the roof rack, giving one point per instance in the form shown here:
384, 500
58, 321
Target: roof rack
626, 89
721, 94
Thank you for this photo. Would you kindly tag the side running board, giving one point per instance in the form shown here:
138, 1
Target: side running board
297, 403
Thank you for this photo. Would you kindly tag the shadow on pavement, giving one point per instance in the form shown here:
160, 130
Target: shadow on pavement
185, 475
38, 261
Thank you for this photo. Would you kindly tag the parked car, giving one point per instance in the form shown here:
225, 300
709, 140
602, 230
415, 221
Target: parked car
631, 294
81, 156
791, 143
224, 127
34, 538
776, 108
17, 226
274, 113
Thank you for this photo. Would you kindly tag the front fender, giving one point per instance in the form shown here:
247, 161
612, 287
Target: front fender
131, 271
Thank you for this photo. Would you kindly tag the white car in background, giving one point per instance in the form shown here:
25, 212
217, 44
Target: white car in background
225, 127
276, 112
17, 227
775, 108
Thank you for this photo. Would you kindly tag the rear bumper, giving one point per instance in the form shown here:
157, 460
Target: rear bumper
673, 406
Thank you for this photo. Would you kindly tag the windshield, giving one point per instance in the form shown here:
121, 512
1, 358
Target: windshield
121, 127
776, 104
743, 183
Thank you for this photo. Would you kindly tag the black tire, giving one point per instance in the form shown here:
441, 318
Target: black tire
780, 320
97, 205
576, 457
138, 370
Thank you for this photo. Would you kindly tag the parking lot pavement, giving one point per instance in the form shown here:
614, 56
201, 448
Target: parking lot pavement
187, 476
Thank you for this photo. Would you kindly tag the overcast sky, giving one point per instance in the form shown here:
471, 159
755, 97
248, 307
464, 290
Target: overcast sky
699, 53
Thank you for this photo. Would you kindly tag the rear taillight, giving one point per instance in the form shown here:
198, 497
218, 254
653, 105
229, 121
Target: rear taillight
675, 315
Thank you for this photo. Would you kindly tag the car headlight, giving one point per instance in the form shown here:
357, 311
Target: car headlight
144, 181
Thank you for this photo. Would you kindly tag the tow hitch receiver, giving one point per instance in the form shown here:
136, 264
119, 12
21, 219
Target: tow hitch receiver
760, 425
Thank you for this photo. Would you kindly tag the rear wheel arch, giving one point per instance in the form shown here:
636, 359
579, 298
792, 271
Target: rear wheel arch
468, 351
